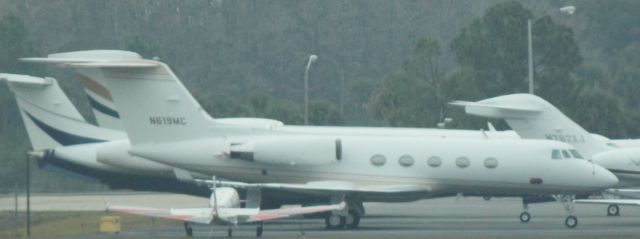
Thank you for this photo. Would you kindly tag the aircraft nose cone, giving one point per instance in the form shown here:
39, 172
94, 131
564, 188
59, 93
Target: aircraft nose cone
605, 178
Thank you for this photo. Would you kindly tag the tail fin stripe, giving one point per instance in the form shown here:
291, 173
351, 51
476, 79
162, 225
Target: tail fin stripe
60, 136
102, 108
95, 87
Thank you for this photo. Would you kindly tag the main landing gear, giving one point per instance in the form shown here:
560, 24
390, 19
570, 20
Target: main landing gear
334, 222
259, 229
338, 222
613, 210
188, 229
525, 217
349, 218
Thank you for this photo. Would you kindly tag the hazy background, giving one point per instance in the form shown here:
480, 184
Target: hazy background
381, 63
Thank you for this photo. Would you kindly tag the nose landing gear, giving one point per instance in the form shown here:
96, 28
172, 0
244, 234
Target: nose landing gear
567, 202
571, 222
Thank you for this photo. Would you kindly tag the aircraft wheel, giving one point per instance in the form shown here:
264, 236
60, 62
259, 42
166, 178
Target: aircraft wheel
525, 217
334, 222
189, 232
230, 232
352, 220
571, 222
188, 229
613, 210
259, 231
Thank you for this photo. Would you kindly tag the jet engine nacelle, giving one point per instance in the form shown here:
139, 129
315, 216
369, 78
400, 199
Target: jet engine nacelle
292, 150
227, 198
115, 153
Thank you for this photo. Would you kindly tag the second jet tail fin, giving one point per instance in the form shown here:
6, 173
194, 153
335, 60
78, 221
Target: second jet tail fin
534, 118
51, 120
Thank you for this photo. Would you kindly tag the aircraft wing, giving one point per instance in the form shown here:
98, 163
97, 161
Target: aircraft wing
327, 187
623, 190
632, 202
197, 215
271, 214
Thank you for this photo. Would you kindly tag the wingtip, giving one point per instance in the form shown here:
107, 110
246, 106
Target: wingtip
34, 59
460, 103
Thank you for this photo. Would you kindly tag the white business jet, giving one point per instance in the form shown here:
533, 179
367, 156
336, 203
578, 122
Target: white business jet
534, 118
167, 125
62, 139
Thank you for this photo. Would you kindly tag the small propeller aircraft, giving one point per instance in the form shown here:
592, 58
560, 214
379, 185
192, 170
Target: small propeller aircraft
225, 209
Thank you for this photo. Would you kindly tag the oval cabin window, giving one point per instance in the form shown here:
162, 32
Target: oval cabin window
434, 161
491, 162
463, 162
406, 160
378, 160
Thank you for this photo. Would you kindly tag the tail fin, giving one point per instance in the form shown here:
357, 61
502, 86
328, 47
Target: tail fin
98, 94
534, 118
51, 120
153, 104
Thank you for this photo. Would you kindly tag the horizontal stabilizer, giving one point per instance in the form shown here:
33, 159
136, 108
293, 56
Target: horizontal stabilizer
117, 64
85, 56
95, 63
25, 79
497, 111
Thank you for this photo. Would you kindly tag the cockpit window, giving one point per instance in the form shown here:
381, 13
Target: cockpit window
575, 154
566, 154
555, 154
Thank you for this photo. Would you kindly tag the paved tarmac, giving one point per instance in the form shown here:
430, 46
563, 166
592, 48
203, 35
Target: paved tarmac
436, 218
